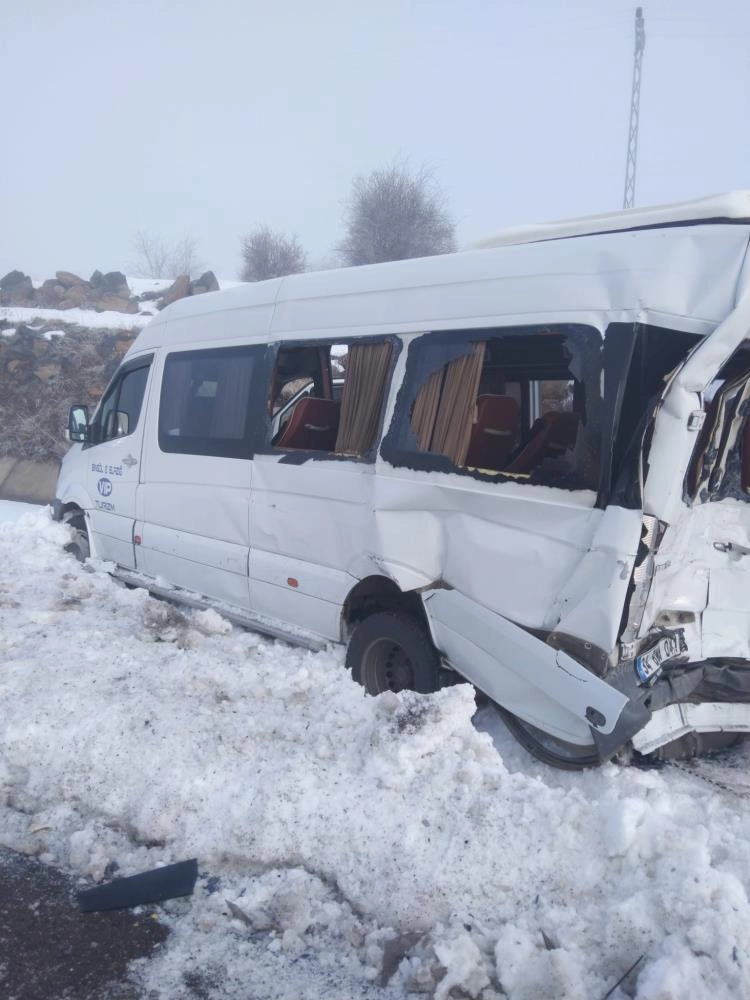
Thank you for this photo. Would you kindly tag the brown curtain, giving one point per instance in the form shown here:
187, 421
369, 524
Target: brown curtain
444, 409
362, 397
425, 409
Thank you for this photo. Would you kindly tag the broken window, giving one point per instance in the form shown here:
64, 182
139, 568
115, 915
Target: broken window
720, 466
329, 398
522, 402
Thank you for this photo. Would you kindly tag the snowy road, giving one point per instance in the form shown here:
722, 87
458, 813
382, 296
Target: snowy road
334, 823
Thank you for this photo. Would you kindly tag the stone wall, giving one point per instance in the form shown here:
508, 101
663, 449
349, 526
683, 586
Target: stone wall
46, 365
42, 372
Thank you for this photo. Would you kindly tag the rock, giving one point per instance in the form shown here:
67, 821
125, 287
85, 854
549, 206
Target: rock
47, 372
16, 289
178, 290
75, 296
206, 283
116, 303
69, 280
50, 294
113, 283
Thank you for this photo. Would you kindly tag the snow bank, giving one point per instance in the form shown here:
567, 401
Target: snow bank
108, 320
349, 834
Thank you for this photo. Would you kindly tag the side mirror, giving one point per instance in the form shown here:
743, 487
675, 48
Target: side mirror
78, 423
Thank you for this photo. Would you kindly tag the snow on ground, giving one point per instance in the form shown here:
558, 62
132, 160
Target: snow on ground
334, 829
108, 320
11, 510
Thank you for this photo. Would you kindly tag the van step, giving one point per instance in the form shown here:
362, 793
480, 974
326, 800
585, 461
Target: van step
246, 619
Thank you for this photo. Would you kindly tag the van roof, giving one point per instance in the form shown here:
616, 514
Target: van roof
681, 260
731, 207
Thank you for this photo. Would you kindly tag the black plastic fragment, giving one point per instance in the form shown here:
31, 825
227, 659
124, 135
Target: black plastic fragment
147, 887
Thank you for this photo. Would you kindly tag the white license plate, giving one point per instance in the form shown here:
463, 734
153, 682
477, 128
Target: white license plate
648, 664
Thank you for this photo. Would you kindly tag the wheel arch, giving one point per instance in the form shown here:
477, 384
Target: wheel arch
379, 593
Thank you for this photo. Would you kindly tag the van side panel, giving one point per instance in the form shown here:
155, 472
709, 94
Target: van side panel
310, 523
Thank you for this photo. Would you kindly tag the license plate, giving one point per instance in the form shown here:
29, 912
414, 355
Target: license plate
648, 664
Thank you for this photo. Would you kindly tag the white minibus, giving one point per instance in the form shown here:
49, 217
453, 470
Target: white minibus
526, 466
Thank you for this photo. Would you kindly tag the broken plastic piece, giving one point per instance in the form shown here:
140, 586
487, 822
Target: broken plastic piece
153, 886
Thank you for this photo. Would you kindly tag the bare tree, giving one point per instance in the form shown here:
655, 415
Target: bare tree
155, 258
151, 255
393, 214
184, 258
266, 254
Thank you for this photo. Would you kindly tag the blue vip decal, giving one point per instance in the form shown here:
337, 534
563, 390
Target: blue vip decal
104, 486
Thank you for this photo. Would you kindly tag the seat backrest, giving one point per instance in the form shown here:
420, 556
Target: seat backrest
552, 434
495, 432
313, 425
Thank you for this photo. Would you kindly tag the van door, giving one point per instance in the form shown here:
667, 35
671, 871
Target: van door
312, 482
194, 503
113, 462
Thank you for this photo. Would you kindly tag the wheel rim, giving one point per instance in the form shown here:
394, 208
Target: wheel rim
387, 667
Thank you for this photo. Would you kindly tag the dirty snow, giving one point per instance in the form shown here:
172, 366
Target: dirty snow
343, 839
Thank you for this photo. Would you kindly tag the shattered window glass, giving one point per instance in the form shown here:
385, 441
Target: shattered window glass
517, 402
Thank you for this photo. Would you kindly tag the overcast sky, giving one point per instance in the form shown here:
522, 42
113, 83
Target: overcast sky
213, 117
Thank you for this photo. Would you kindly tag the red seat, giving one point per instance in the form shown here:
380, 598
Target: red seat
313, 425
495, 433
552, 435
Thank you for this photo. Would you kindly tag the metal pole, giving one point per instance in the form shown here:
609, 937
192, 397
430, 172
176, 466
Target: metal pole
628, 199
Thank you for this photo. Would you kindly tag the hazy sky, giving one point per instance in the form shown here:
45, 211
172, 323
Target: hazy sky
210, 118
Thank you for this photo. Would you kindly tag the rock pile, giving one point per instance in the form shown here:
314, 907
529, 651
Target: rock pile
102, 292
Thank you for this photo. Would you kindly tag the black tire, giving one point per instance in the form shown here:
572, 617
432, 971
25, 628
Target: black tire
549, 749
391, 651
79, 547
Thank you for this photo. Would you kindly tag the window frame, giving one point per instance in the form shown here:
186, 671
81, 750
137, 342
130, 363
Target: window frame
113, 389
205, 445
296, 456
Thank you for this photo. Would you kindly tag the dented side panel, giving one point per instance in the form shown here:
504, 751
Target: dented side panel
510, 548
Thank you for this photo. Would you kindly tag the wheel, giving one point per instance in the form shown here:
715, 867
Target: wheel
549, 749
79, 547
391, 651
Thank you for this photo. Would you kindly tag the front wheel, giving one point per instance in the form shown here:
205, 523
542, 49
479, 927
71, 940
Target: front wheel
79, 546
391, 651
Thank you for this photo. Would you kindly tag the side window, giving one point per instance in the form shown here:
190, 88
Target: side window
518, 402
206, 397
121, 406
329, 398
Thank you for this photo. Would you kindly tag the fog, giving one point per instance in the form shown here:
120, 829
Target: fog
209, 119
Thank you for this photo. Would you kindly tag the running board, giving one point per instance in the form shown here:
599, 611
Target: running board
246, 619
670, 723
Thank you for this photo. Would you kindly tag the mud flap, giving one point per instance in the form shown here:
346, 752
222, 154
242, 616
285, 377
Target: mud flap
147, 887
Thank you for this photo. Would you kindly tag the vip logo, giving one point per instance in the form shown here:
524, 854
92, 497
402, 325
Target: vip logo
104, 486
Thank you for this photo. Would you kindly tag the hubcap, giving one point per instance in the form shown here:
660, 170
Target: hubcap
386, 667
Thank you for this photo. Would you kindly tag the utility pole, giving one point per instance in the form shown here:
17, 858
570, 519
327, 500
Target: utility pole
635, 101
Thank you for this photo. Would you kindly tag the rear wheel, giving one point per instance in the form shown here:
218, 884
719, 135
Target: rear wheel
79, 546
549, 749
391, 651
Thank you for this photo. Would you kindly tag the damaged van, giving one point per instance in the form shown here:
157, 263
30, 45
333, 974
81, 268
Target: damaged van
525, 465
